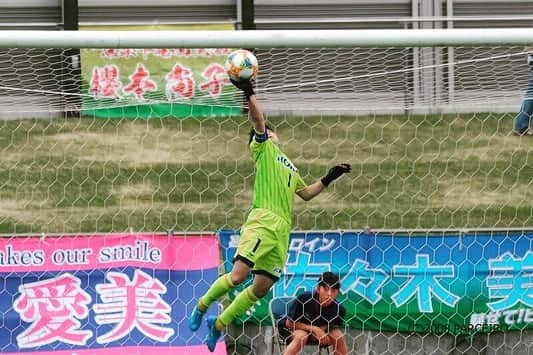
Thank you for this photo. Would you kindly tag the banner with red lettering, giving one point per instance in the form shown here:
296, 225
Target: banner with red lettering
104, 294
157, 82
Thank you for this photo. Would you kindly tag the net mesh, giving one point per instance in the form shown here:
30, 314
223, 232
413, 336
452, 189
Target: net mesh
384, 80
428, 138
143, 148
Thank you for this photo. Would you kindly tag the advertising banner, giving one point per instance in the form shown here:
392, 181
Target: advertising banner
157, 82
431, 283
104, 294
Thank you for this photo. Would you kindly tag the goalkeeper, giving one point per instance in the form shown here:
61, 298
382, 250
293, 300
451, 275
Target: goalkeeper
264, 240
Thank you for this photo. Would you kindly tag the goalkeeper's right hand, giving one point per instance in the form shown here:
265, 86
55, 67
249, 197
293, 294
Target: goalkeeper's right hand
245, 86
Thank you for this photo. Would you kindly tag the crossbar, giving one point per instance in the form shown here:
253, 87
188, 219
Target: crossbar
267, 39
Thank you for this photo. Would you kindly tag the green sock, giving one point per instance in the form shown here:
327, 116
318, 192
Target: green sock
240, 304
218, 289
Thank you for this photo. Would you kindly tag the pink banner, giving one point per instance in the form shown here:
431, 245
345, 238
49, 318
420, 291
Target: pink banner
87, 252
105, 294
138, 350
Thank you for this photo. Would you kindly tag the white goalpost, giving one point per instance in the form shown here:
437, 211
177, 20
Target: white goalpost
106, 132
267, 38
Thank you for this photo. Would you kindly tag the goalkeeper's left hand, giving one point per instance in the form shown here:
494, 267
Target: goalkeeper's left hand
245, 86
335, 173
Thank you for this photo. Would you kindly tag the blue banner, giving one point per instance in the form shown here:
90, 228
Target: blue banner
439, 283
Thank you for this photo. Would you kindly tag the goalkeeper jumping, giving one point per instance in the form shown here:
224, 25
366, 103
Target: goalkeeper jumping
264, 240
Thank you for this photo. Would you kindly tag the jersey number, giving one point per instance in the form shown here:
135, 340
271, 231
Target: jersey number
289, 183
256, 245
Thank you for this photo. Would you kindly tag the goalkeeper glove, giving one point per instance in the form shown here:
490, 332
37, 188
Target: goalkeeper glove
335, 173
245, 86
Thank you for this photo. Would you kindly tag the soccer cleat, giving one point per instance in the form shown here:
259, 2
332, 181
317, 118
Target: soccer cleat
195, 319
213, 333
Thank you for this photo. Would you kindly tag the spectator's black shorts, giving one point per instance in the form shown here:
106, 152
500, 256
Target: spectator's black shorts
286, 334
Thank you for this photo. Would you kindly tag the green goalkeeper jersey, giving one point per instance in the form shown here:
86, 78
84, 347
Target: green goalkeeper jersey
276, 179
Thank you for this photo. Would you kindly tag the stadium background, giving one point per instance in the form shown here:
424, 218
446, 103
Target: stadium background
360, 14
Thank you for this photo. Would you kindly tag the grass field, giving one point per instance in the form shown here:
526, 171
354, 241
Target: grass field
94, 175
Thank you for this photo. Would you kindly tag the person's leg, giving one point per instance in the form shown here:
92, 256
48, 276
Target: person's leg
260, 247
239, 306
224, 283
243, 263
299, 339
336, 339
219, 288
523, 117
526, 110
245, 300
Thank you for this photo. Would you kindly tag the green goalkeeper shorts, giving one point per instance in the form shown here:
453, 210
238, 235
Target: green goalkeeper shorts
264, 243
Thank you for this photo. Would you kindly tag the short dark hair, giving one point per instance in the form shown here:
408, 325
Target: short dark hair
329, 279
252, 132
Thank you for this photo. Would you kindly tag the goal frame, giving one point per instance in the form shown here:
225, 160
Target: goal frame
267, 38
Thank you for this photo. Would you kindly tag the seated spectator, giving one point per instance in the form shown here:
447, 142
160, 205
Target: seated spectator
316, 317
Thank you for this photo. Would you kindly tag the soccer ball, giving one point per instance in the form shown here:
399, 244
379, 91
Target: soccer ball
241, 65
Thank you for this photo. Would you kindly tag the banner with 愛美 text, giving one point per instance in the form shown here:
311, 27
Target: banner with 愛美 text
157, 82
431, 283
104, 294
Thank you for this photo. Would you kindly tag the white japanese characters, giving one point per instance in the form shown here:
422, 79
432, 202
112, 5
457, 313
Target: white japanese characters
56, 307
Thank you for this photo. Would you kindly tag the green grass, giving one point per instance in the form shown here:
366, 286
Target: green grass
94, 175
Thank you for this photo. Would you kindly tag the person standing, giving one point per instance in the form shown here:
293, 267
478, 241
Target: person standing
523, 118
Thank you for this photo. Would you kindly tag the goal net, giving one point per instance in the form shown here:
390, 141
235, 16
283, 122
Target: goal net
125, 140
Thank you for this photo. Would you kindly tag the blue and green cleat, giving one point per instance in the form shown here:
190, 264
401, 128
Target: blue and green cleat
195, 319
213, 333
